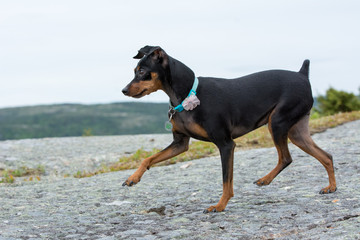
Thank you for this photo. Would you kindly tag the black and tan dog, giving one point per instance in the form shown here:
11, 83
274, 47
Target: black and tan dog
230, 108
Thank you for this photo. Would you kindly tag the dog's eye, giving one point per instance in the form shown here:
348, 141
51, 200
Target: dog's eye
141, 71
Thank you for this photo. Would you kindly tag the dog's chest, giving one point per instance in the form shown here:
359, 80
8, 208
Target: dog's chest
189, 127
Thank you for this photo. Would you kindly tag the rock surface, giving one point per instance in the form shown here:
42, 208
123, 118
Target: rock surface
169, 201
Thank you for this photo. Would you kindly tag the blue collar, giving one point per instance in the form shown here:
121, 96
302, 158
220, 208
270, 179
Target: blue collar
180, 108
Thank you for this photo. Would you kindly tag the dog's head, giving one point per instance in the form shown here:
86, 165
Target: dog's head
149, 72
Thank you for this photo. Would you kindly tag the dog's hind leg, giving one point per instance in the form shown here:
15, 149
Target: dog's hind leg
299, 135
278, 126
227, 162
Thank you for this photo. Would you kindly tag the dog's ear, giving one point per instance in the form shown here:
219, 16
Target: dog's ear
147, 50
156, 53
160, 56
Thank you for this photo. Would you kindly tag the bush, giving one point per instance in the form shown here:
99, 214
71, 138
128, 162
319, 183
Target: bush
337, 101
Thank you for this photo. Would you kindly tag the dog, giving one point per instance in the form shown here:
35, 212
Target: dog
223, 109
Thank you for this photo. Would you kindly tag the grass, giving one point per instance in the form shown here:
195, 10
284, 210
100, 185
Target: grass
197, 149
321, 124
9, 175
259, 138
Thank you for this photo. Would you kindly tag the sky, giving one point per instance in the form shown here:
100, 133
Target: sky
81, 51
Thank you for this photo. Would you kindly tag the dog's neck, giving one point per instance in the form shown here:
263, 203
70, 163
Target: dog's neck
179, 81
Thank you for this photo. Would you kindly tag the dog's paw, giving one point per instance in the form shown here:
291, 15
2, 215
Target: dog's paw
127, 183
131, 181
214, 209
328, 189
261, 182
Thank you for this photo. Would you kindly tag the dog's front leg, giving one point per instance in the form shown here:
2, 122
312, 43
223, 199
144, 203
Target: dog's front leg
179, 145
227, 162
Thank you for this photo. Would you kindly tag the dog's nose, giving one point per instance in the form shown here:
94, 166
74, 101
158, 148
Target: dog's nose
125, 90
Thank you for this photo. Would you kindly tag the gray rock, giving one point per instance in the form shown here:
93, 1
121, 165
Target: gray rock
100, 208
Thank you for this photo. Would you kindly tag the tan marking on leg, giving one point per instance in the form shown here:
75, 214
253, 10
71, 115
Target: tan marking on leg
283, 156
283, 153
228, 187
299, 135
228, 193
147, 162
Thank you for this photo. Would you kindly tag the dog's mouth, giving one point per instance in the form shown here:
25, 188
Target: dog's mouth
140, 94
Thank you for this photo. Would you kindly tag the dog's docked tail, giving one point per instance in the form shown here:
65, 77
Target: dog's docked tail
305, 68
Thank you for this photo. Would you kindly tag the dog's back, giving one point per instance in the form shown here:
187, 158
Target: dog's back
250, 99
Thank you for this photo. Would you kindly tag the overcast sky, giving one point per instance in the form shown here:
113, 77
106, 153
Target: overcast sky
81, 51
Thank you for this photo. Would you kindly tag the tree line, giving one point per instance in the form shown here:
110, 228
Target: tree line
66, 120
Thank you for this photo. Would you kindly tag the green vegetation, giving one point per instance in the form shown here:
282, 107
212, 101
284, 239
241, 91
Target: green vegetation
8, 175
337, 101
7, 178
323, 123
87, 132
82, 120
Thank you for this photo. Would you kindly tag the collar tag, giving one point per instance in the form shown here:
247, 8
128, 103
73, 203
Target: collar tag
168, 124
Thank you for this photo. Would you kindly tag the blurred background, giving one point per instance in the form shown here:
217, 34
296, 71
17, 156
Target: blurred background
71, 53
